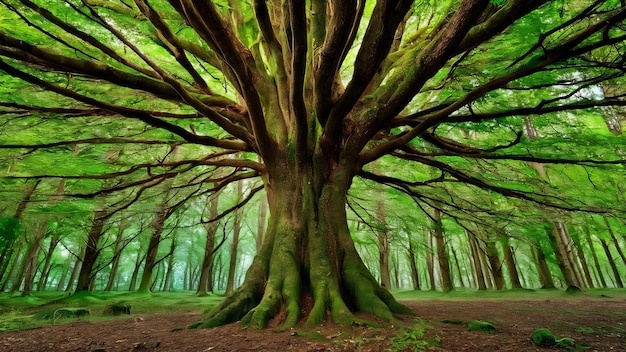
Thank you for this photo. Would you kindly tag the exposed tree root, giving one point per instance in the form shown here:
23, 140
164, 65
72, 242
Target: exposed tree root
283, 291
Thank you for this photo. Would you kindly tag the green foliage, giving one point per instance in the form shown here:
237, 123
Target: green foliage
9, 230
412, 339
482, 326
543, 337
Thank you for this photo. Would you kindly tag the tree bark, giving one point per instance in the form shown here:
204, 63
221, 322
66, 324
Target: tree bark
232, 264
430, 260
478, 269
495, 264
616, 273
45, 271
167, 284
153, 248
509, 259
261, 223
614, 239
117, 253
594, 255
382, 235
91, 253
545, 276
308, 256
415, 278
205, 283
457, 266
442, 253
562, 249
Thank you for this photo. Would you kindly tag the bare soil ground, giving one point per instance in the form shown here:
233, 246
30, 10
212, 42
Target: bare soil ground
599, 323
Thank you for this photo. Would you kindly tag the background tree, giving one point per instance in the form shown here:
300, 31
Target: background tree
300, 99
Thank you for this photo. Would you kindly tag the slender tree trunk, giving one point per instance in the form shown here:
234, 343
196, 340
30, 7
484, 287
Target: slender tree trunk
382, 235
495, 264
430, 262
562, 249
616, 274
167, 285
415, 278
31, 260
383, 260
614, 239
138, 260
92, 252
545, 276
478, 270
45, 272
75, 270
442, 254
153, 248
117, 253
29, 190
484, 262
205, 283
458, 267
61, 282
230, 281
594, 255
13, 264
509, 259
583, 261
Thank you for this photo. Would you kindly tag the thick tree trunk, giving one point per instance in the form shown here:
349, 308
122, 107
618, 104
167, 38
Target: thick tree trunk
91, 252
308, 263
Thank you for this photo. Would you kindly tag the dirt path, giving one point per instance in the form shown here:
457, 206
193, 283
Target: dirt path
597, 323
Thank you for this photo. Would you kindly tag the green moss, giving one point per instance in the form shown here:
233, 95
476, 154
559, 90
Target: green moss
478, 325
543, 337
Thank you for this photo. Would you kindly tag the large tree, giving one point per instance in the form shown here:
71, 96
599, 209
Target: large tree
306, 95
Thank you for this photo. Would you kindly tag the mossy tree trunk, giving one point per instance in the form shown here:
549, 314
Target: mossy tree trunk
308, 263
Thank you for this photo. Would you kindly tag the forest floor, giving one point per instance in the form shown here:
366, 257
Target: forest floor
596, 322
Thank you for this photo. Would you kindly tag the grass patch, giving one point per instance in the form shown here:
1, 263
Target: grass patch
514, 294
411, 338
43, 308
482, 326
